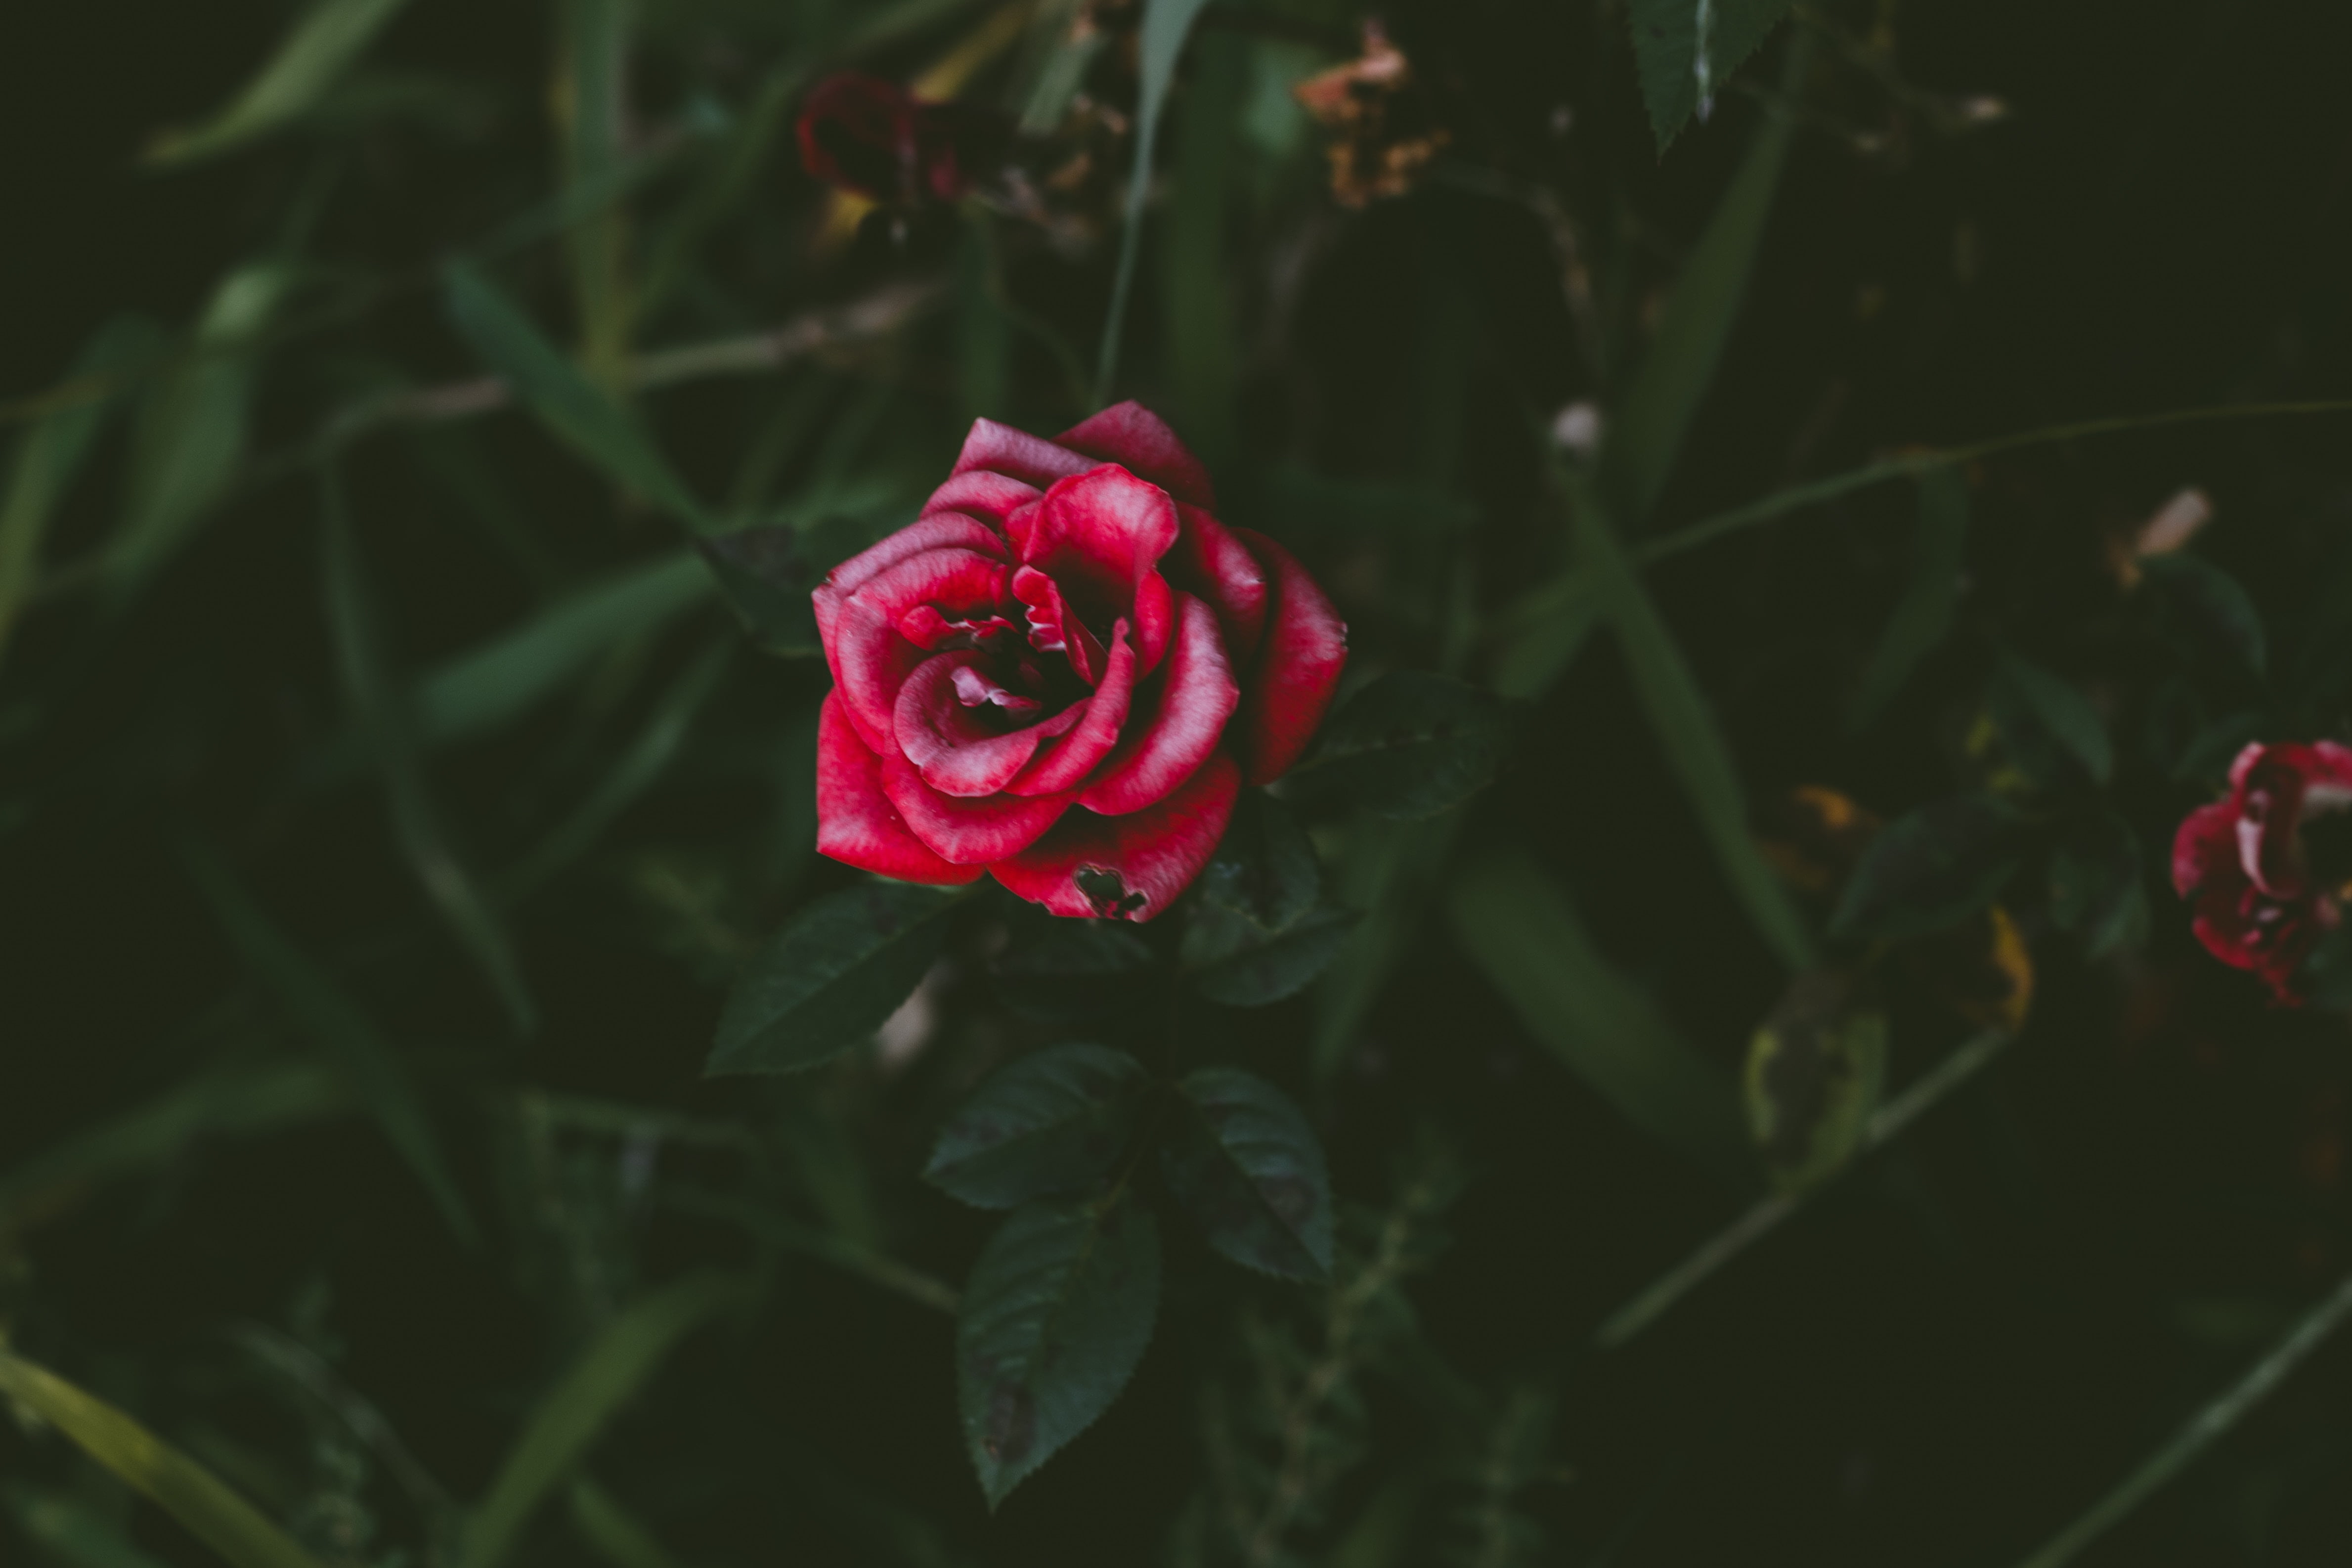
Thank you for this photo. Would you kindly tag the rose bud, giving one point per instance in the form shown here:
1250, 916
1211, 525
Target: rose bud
2262, 896
1063, 671
861, 133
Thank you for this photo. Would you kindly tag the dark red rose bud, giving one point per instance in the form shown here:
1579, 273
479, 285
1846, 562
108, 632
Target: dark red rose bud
2262, 900
871, 136
1063, 672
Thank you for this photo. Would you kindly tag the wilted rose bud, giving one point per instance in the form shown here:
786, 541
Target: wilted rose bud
2263, 897
861, 133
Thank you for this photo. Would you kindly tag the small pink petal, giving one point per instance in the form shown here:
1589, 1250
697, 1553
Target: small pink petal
980, 493
1017, 454
1065, 766
1053, 628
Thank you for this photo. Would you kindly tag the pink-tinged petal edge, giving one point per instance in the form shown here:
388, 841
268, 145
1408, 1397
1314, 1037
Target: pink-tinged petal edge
1032, 460
1209, 561
951, 746
1177, 726
948, 530
855, 823
2206, 843
1105, 528
1297, 669
870, 657
1155, 853
982, 493
1067, 764
966, 832
1131, 435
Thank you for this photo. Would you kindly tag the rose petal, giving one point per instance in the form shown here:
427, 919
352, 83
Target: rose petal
1066, 765
1053, 628
1297, 669
2205, 847
870, 657
1154, 854
1001, 450
1155, 622
957, 751
1098, 534
948, 531
1209, 561
983, 494
966, 832
855, 823
1172, 732
1141, 441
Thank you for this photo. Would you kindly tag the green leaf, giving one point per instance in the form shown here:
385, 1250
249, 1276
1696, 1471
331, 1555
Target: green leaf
382, 717
335, 1023
1166, 25
1244, 1163
2028, 701
1066, 972
2098, 888
1924, 615
1265, 870
1686, 50
830, 978
52, 453
574, 1414
571, 408
1264, 969
2211, 607
612, 1532
1388, 872
1931, 869
313, 54
69, 1532
769, 573
1694, 749
591, 111
1408, 745
1517, 924
190, 1493
1815, 1072
1679, 365
1053, 1121
1055, 1318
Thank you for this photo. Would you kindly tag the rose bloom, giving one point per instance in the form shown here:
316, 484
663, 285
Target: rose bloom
2245, 863
872, 136
1063, 671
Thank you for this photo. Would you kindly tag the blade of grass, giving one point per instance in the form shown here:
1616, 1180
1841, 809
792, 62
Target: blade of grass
1925, 612
1166, 25
383, 721
574, 1414
190, 1493
313, 54
1196, 288
591, 106
1386, 874
1687, 732
612, 1532
338, 1027
783, 1230
2209, 1426
1540, 636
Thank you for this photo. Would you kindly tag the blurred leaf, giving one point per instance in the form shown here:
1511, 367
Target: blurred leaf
1160, 41
572, 1415
1053, 1121
1066, 972
1199, 341
1063, 40
777, 1228
584, 418
2098, 890
1245, 1165
376, 1071
1056, 1316
1265, 870
1409, 744
2204, 757
1931, 869
51, 453
1517, 926
1695, 749
610, 1531
1679, 365
1924, 614
1261, 969
768, 574
1540, 636
144, 1462
1686, 51
380, 710
1387, 873
315, 52
2209, 604
1816, 1070
830, 978
2024, 698
591, 103
69, 1532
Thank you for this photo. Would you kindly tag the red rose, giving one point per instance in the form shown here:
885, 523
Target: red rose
872, 136
2244, 863
1062, 672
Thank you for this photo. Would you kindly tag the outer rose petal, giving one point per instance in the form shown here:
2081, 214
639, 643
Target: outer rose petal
1177, 727
1209, 561
871, 656
966, 832
2206, 848
855, 823
1067, 764
951, 746
1104, 529
1155, 853
980, 493
1133, 437
1032, 459
1297, 668
944, 532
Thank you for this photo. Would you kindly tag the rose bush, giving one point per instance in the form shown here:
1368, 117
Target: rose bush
1063, 671
872, 136
2245, 862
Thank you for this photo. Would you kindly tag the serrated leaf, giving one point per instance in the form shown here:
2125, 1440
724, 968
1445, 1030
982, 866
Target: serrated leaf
2098, 888
1924, 615
1815, 1072
830, 978
1260, 969
1931, 869
1409, 744
1518, 925
1053, 1121
2027, 701
1686, 51
573, 408
2211, 605
1056, 1314
311, 58
1244, 1163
